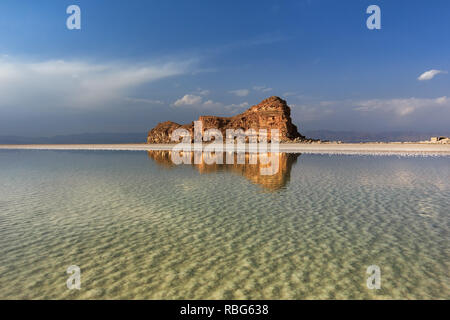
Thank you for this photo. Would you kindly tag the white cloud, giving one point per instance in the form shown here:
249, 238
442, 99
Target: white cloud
188, 100
193, 100
211, 104
402, 107
76, 84
262, 88
240, 92
430, 74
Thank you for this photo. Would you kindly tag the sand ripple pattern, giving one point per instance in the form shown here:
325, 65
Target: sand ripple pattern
141, 232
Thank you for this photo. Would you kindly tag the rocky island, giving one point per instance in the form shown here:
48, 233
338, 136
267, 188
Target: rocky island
271, 113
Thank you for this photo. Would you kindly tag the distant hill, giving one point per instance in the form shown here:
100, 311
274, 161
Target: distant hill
344, 136
357, 136
78, 138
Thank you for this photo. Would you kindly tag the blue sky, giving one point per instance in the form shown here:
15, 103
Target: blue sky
136, 63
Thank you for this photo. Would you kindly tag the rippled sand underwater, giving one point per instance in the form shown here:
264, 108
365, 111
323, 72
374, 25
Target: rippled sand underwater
139, 229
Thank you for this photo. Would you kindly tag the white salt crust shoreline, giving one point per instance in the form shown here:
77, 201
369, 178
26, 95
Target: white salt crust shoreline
401, 149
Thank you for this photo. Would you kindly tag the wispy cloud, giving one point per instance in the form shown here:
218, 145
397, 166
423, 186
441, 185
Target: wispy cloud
235, 108
430, 74
192, 100
394, 111
402, 107
262, 88
314, 111
203, 92
211, 104
77, 84
240, 92
143, 100
188, 100
260, 40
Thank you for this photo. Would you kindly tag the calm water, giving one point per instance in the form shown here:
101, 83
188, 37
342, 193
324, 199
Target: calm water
140, 227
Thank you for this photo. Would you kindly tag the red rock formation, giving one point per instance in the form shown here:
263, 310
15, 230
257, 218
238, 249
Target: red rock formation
271, 113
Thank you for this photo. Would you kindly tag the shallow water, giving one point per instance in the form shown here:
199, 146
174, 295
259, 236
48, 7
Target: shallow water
140, 227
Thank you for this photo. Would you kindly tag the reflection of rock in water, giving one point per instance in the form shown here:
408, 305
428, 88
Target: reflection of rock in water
249, 169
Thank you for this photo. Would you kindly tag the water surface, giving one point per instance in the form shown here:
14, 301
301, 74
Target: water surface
140, 227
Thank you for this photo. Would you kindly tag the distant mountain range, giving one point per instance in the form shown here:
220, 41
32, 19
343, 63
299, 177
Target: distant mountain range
140, 137
358, 136
78, 138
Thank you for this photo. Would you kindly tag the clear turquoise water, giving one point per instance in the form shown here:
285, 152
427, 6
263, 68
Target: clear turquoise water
139, 227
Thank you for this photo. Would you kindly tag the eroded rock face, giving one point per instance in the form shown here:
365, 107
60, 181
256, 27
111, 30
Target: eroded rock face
271, 113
